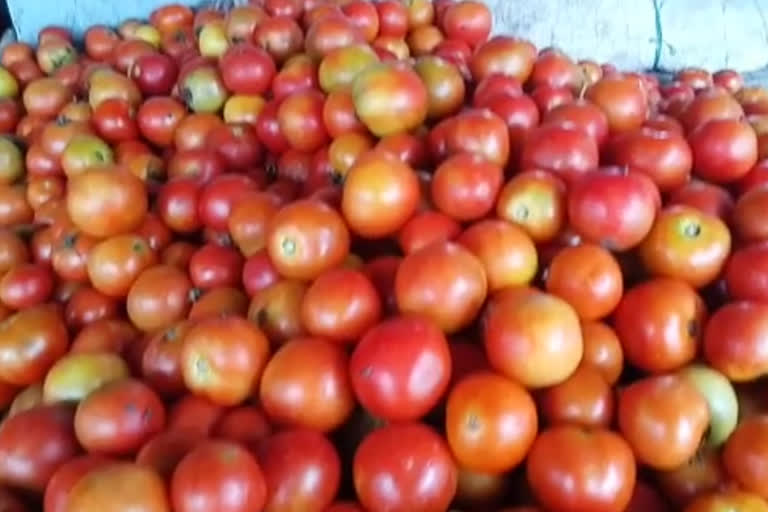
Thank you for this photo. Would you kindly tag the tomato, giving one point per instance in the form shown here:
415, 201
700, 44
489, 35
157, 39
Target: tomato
246, 425
106, 335
724, 150
701, 475
710, 105
535, 201
76, 375
743, 455
154, 73
338, 69
588, 277
504, 55
536, 354
34, 444
223, 358
220, 196
280, 36
119, 418
744, 273
114, 264
341, 305
426, 284
88, 305
415, 462
375, 203
59, 487
258, 273
664, 419
585, 398
161, 360
300, 117
722, 501
26, 286
380, 377
563, 150
623, 99
104, 84
613, 208
276, 309
687, 244
158, 119
425, 228
302, 470
339, 116
733, 340
306, 384
331, 32
663, 155
159, 297
236, 144
218, 475
479, 408
571, 469
203, 89
213, 265
43, 328
465, 186
118, 486
306, 238
114, 120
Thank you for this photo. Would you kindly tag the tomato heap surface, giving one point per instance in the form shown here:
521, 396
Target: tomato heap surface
344, 256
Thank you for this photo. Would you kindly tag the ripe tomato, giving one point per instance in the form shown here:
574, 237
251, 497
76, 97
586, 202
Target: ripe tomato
117, 486
276, 309
509, 56
341, 305
479, 408
425, 228
724, 500
588, 277
376, 203
246, 425
533, 337
664, 419
158, 298
602, 350
661, 154
223, 358
213, 265
415, 462
710, 105
686, 244
26, 285
535, 201
724, 150
119, 418
76, 375
748, 214
114, 120
218, 475
613, 208
306, 238
465, 186
443, 281
744, 273
59, 488
623, 99
339, 116
114, 264
585, 398
161, 360
381, 377
237, 144
220, 196
306, 384
562, 150
660, 323
302, 470
702, 475
571, 469
734, 338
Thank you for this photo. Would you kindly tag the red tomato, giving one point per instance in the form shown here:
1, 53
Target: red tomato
158, 298
746, 271
563, 150
158, 119
479, 408
663, 155
26, 285
220, 196
465, 186
624, 100
734, 339
60, 486
416, 463
194, 414
724, 150
246, 69
237, 144
246, 425
505, 55
221, 476
381, 376
114, 120
302, 470
585, 398
744, 453
154, 73
123, 485
571, 469
214, 266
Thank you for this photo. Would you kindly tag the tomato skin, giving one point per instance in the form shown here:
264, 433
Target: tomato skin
564, 151
218, 475
302, 470
246, 425
485, 402
539, 353
213, 266
223, 358
380, 376
34, 444
734, 338
306, 384
246, 69
237, 144
26, 286
664, 419
341, 305
566, 452
117, 486
415, 462
425, 284
743, 455
744, 273
158, 118
660, 323
585, 399
57, 492
724, 150
465, 186
748, 213
732, 499
305, 238
623, 99
119, 418
158, 298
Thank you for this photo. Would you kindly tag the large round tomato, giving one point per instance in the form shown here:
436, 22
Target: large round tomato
59, 488
247, 69
624, 100
158, 119
535, 201
26, 285
480, 408
300, 117
120, 486
391, 356
306, 384
416, 464
302, 470
119, 418
572, 469
159, 297
744, 455
161, 360
563, 150
443, 281
734, 340
724, 150
218, 475
390, 99
34, 443
306, 238
115, 263
504, 55
660, 323
534, 338
664, 419
380, 194
223, 358
465, 186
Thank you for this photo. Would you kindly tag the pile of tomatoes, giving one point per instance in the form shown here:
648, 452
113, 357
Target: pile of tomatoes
343, 256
